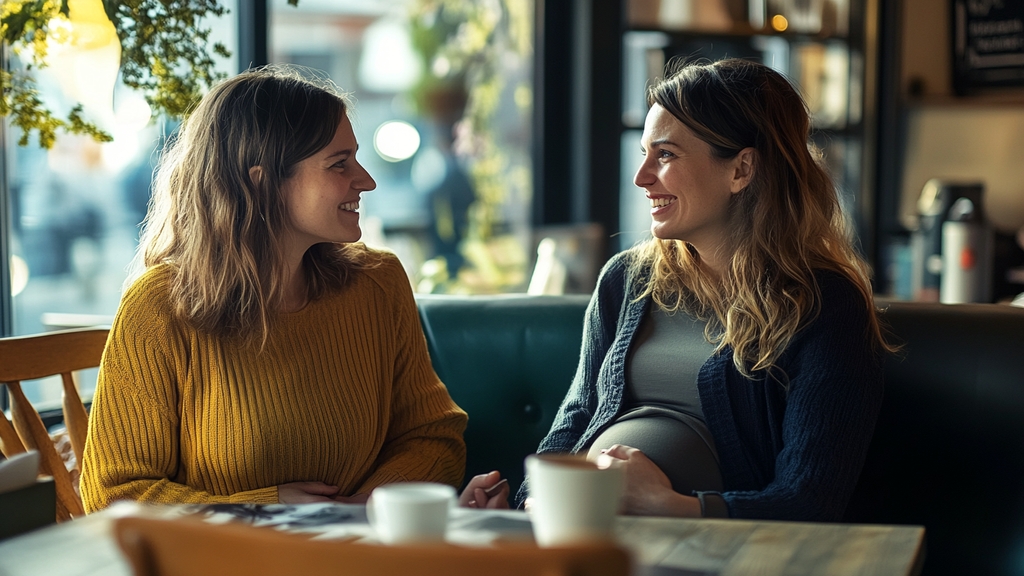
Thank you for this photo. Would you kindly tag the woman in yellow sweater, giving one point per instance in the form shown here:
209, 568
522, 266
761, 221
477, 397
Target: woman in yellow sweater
263, 356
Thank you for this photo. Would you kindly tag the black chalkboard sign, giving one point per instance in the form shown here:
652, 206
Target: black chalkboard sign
988, 44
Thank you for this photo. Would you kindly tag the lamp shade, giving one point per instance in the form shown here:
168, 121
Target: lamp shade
86, 57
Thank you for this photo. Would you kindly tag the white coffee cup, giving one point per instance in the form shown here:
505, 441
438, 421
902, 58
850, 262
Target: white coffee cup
571, 499
410, 512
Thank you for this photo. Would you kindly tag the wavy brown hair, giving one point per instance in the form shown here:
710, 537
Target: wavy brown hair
786, 224
218, 228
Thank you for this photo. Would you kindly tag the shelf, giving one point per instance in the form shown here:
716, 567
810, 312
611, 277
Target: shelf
739, 30
1013, 98
848, 131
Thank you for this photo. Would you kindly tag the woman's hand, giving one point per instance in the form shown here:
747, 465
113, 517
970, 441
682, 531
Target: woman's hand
648, 491
354, 499
485, 491
305, 492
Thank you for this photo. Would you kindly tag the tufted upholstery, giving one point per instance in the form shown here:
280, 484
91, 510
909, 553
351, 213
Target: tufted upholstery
507, 361
948, 450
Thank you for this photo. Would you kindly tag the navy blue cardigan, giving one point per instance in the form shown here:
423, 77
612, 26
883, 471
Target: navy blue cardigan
789, 451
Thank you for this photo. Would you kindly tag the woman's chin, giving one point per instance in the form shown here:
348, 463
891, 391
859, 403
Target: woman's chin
351, 236
662, 233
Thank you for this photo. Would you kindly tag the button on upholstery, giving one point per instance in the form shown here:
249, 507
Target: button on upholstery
532, 412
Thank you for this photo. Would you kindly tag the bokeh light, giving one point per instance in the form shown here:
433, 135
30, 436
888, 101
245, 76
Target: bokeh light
396, 140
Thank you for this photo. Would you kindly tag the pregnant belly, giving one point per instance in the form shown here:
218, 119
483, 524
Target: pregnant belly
679, 450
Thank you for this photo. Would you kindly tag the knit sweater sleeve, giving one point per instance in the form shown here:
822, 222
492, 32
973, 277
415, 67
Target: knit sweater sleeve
599, 327
424, 437
132, 449
835, 384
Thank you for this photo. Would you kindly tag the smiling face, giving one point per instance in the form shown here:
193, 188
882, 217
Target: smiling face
322, 195
689, 188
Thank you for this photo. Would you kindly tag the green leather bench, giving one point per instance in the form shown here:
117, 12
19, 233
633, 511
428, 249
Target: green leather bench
948, 450
507, 361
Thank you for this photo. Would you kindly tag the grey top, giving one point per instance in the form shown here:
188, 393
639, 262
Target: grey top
661, 369
661, 414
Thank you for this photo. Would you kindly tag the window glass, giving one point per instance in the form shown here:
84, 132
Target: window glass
76, 208
443, 117
443, 110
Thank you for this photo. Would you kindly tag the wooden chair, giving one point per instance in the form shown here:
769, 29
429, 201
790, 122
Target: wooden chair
193, 547
61, 352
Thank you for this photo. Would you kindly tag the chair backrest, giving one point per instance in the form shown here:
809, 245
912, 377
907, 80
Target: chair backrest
952, 422
39, 356
193, 547
507, 360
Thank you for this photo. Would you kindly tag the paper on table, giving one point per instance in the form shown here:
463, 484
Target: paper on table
19, 471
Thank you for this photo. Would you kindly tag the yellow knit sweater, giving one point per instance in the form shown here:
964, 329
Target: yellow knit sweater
343, 393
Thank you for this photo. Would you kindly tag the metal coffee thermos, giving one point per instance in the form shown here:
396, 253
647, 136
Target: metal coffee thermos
952, 247
966, 254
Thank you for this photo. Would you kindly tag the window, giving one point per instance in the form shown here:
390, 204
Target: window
443, 113
75, 210
443, 117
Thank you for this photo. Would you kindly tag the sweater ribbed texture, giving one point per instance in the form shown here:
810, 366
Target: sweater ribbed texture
342, 393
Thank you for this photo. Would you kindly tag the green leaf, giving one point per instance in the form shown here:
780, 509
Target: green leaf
164, 54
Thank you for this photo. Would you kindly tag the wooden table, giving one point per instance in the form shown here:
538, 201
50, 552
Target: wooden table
660, 546
726, 547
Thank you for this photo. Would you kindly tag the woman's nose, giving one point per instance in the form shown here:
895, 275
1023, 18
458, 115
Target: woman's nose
644, 176
366, 182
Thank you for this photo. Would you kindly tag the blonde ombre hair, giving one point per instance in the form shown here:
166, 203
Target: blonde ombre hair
216, 227
784, 226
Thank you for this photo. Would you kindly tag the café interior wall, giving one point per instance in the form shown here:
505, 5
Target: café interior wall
966, 138
967, 144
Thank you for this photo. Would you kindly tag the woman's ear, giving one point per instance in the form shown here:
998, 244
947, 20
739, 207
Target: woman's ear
744, 164
256, 175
